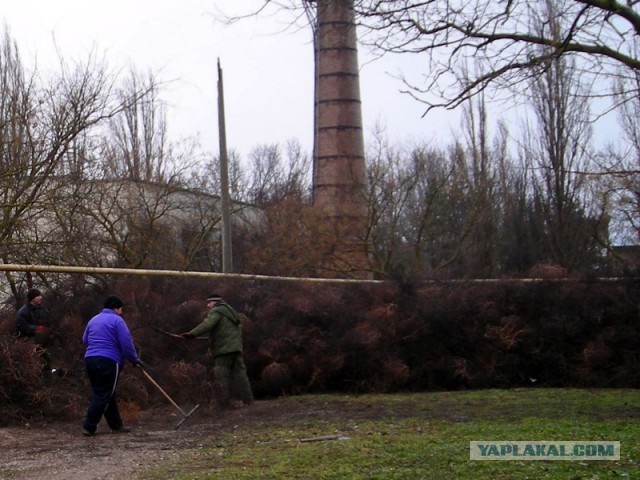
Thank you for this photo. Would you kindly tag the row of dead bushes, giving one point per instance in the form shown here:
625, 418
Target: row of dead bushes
306, 337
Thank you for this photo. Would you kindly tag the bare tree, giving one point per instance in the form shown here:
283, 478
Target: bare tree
205, 176
623, 192
517, 226
390, 186
423, 209
481, 252
266, 173
559, 152
137, 145
275, 177
500, 35
291, 239
40, 122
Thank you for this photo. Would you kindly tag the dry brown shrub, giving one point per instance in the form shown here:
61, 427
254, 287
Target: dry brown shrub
460, 368
130, 412
318, 379
448, 371
316, 345
272, 308
184, 380
300, 368
263, 357
276, 347
7, 322
547, 271
597, 354
275, 379
396, 374
511, 331
301, 304
134, 291
144, 306
245, 324
365, 335
187, 314
319, 337
66, 355
429, 291
293, 240
325, 370
382, 313
131, 388
386, 292
64, 400
183, 374
21, 381
326, 297
490, 309
566, 326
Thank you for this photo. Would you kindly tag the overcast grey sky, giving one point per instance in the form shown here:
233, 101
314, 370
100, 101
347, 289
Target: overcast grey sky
268, 69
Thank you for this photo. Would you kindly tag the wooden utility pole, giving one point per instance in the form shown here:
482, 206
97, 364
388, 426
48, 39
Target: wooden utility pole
227, 258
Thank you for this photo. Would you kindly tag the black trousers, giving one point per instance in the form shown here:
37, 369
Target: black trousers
103, 374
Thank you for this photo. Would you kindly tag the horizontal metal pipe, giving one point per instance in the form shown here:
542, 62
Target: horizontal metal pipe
9, 267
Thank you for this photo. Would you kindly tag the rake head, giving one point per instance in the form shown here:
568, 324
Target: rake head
186, 416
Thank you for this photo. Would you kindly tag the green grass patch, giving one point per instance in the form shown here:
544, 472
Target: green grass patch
419, 436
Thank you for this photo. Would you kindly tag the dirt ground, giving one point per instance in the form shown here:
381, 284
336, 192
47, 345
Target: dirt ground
59, 450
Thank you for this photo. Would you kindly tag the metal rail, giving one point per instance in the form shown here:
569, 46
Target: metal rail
10, 267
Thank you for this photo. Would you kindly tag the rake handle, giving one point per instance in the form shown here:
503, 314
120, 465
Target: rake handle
162, 391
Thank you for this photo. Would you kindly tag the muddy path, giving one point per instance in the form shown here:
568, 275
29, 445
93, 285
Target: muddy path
58, 450
40, 450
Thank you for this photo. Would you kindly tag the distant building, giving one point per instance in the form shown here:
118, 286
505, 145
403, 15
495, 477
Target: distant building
133, 224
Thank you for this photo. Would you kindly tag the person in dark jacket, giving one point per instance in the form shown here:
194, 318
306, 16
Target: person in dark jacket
32, 323
225, 342
109, 344
31, 319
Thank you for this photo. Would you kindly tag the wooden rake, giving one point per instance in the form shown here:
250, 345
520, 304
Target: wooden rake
185, 416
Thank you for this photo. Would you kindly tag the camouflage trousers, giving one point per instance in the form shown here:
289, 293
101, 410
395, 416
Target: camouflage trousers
231, 381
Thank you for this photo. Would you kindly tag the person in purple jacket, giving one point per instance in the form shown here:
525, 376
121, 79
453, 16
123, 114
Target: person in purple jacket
109, 344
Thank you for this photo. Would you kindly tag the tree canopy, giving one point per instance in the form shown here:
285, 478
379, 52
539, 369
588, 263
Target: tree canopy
507, 39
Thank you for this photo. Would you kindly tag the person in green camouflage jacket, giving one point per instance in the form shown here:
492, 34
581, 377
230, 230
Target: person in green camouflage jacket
222, 324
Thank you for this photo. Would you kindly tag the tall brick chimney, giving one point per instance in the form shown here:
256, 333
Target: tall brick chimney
338, 162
